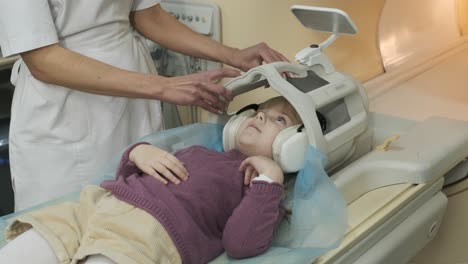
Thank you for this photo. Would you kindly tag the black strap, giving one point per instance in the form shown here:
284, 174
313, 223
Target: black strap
322, 121
247, 107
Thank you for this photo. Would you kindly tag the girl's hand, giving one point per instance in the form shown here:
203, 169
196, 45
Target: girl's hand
158, 163
256, 165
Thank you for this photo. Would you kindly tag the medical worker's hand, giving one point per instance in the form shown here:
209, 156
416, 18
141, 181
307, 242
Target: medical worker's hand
248, 58
158, 163
199, 89
256, 165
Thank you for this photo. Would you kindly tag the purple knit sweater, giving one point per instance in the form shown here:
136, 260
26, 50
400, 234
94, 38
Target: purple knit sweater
210, 212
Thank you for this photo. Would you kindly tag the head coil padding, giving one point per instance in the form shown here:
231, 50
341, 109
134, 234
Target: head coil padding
289, 148
232, 126
290, 145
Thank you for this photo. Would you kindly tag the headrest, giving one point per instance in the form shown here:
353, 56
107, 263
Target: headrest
289, 146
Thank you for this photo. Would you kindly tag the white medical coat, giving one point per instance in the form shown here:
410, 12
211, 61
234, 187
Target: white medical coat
61, 138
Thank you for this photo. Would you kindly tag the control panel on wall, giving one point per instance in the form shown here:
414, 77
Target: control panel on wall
203, 18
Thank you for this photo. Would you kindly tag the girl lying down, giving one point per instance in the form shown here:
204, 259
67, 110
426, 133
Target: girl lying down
161, 208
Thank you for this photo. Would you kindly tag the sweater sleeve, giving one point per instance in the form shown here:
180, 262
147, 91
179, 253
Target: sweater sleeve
250, 229
127, 167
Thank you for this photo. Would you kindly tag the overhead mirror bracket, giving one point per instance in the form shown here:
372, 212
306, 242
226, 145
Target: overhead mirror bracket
323, 19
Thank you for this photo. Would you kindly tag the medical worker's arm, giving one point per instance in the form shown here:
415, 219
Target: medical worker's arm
56, 65
250, 229
164, 29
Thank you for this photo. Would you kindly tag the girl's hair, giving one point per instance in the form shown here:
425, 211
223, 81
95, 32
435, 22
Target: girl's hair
285, 107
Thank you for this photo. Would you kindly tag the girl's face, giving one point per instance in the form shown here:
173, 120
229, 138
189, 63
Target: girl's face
256, 134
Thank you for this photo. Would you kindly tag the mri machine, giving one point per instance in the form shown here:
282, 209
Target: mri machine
420, 95
389, 169
425, 56
393, 192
